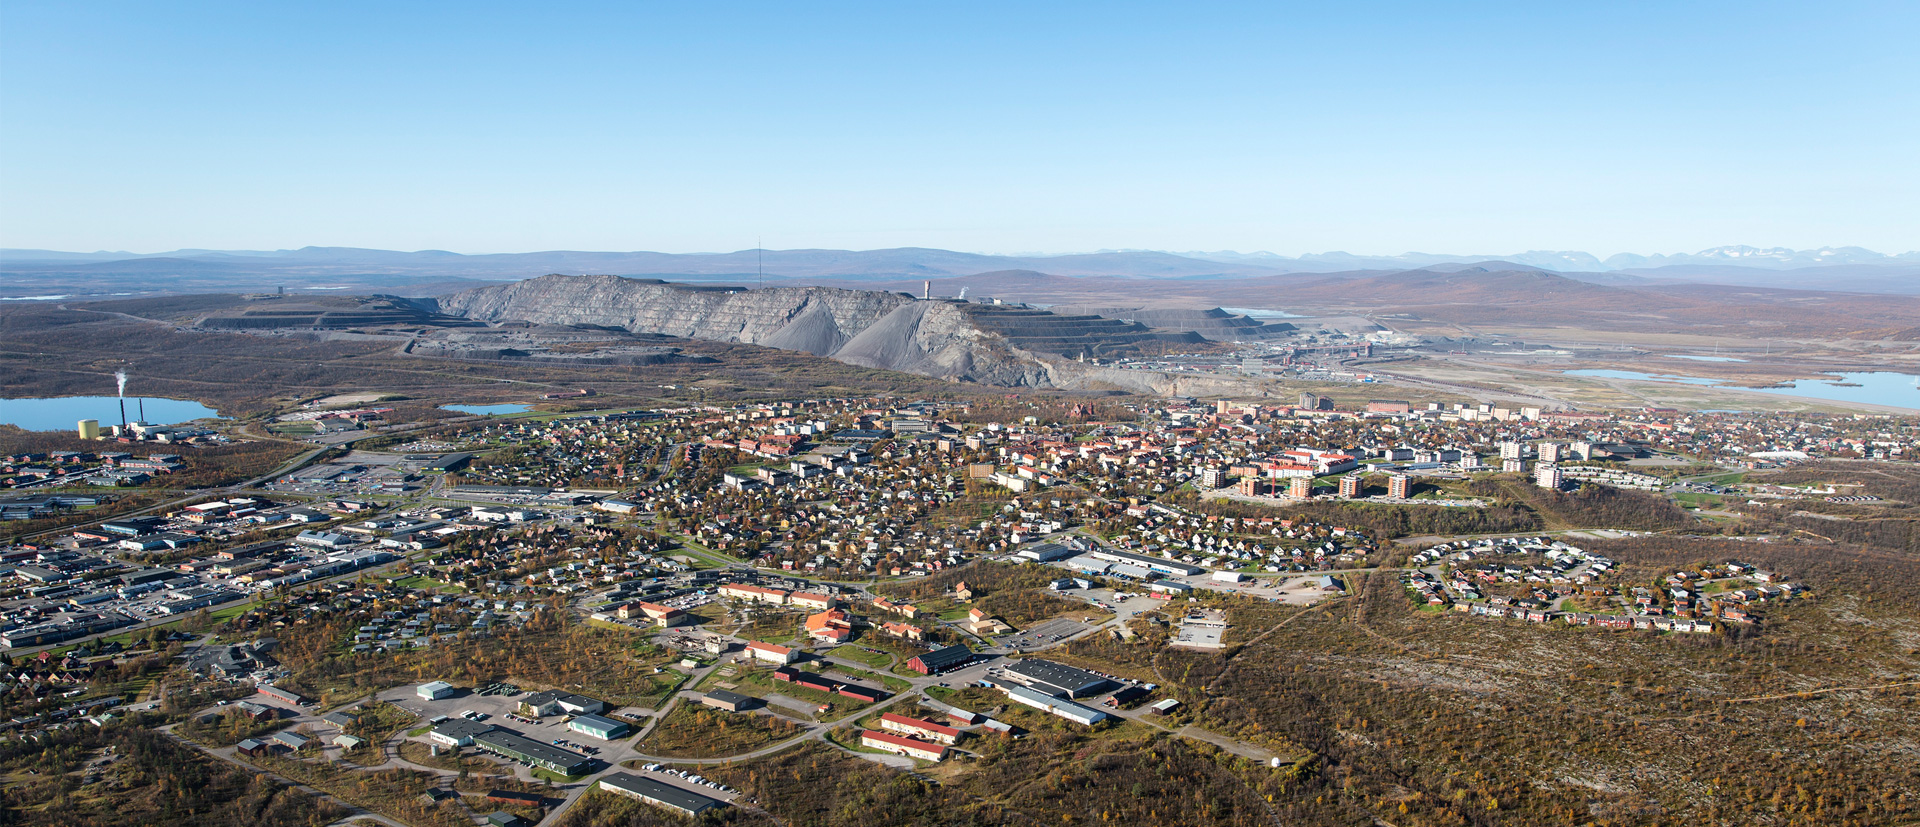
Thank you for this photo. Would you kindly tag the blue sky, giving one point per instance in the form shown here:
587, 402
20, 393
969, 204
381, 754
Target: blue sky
1019, 127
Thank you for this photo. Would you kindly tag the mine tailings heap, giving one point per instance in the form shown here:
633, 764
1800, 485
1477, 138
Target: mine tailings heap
1049, 332
1213, 323
948, 339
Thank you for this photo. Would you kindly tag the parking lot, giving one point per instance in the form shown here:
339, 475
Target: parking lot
499, 711
1124, 604
1044, 633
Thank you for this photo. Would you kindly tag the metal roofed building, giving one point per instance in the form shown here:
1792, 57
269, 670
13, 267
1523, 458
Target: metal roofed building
685, 802
605, 729
1044, 553
729, 701
521, 748
1057, 679
458, 732
450, 462
1069, 710
941, 660
1159, 564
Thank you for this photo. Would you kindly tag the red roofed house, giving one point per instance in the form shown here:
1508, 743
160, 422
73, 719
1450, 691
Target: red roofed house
830, 626
770, 653
910, 747
663, 615
905, 630
925, 730
904, 609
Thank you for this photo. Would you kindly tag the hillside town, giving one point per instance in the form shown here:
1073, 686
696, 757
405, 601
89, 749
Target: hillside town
893, 578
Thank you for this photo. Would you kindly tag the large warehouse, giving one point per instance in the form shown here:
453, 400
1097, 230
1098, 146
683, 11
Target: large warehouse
941, 660
1159, 564
1056, 679
521, 748
685, 802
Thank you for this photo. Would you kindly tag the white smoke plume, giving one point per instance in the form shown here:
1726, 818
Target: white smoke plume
120, 376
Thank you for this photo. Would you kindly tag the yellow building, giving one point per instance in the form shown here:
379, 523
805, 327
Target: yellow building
89, 429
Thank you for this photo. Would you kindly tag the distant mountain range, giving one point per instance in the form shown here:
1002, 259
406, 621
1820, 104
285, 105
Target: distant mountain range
900, 261
433, 272
1768, 258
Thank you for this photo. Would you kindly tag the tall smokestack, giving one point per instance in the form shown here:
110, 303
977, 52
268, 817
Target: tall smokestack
120, 381
143, 409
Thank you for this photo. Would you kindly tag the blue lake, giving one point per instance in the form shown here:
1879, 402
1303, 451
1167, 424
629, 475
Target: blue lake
63, 413
488, 410
1870, 388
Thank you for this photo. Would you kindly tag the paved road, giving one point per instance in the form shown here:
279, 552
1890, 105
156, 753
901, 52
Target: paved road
355, 812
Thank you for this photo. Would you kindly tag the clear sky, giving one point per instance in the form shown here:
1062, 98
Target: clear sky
1019, 127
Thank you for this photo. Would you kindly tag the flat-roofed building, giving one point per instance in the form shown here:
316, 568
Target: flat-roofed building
605, 729
1159, 564
1066, 709
521, 748
1300, 488
1045, 553
741, 591
555, 702
1057, 679
1350, 486
659, 794
729, 701
457, 732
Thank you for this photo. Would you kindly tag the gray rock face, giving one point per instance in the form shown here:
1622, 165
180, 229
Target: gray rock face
860, 327
814, 319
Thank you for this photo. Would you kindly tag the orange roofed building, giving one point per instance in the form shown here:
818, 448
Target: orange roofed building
830, 626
